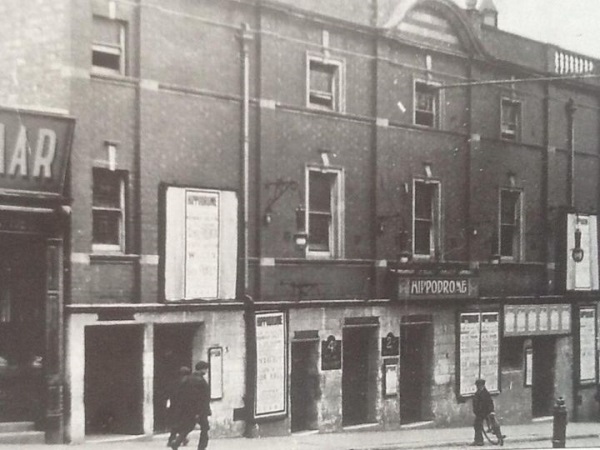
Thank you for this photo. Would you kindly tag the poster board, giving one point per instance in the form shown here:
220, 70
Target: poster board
200, 246
215, 361
271, 364
587, 345
581, 253
528, 366
390, 378
479, 353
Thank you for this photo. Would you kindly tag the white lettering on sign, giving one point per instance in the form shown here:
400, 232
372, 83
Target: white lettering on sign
442, 287
22, 160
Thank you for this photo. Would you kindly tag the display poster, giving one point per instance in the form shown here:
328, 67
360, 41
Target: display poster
528, 366
215, 361
479, 351
469, 352
271, 381
490, 349
390, 379
201, 244
587, 345
582, 253
537, 319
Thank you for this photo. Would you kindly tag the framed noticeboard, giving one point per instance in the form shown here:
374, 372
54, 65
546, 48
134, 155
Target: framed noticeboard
479, 351
528, 366
587, 345
331, 354
215, 377
390, 378
271, 364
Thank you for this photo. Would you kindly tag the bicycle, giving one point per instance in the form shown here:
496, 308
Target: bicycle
493, 428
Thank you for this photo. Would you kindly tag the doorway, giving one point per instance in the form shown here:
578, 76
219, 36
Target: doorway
542, 386
173, 345
305, 386
359, 375
22, 328
415, 370
113, 379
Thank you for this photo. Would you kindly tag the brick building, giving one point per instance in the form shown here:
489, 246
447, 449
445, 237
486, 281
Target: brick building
351, 209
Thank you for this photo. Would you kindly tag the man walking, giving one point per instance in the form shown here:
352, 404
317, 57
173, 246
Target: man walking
482, 407
193, 407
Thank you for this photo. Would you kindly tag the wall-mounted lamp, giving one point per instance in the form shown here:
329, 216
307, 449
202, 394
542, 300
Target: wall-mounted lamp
512, 180
280, 187
404, 254
301, 236
325, 156
495, 258
428, 170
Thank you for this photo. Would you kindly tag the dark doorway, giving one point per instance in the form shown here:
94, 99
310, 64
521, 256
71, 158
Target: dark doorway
415, 368
359, 373
306, 385
113, 379
172, 349
542, 387
22, 328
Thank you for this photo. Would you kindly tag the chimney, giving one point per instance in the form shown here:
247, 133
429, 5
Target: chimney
489, 12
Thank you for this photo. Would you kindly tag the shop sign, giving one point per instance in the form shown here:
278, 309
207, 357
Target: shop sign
437, 287
530, 320
331, 354
271, 367
34, 151
390, 345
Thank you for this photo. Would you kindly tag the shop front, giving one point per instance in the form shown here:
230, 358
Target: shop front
34, 153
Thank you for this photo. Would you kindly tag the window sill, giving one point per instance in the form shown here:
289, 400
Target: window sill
111, 257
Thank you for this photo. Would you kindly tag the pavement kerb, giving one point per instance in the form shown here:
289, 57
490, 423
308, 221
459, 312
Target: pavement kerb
462, 443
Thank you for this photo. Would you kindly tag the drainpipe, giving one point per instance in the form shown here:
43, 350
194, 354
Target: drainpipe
245, 37
570, 108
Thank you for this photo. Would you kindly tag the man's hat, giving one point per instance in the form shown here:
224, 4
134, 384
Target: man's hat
202, 365
480, 382
184, 370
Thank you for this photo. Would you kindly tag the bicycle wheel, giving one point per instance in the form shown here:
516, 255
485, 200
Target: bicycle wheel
492, 438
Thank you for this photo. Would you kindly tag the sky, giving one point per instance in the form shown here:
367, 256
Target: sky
571, 24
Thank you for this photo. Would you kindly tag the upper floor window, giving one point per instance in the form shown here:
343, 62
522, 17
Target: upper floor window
324, 212
325, 81
508, 239
510, 119
426, 218
108, 210
108, 47
427, 104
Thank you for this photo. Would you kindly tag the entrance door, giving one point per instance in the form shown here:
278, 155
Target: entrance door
306, 388
22, 328
415, 351
172, 350
542, 387
113, 379
359, 375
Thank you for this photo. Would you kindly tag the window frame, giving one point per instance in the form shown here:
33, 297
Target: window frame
505, 133
111, 248
109, 48
336, 231
518, 237
437, 103
435, 250
338, 97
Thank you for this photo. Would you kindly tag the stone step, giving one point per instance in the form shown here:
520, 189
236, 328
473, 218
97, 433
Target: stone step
22, 437
11, 427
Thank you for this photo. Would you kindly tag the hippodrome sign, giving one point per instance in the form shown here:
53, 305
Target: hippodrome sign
34, 151
437, 287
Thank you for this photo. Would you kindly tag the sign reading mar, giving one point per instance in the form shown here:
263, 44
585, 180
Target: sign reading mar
34, 151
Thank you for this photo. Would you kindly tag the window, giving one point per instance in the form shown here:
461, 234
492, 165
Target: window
511, 119
325, 84
108, 210
324, 222
108, 48
425, 218
507, 242
426, 104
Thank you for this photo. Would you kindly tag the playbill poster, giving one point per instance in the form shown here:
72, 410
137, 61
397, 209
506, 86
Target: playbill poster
587, 345
479, 349
271, 354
